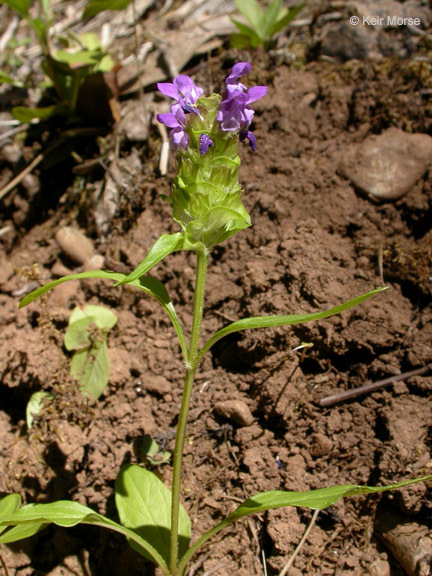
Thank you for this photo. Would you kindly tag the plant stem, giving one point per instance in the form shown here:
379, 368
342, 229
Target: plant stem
191, 365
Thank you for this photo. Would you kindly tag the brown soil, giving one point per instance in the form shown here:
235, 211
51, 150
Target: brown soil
314, 243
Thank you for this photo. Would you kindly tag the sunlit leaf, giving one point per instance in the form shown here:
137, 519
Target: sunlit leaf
272, 321
270, 16
285, 20
251, 10
92, 369
314, 499
144, 506
67, 514
34, 405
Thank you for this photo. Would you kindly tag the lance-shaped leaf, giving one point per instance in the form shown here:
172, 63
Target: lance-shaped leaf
272, 321
144, 505
315, 499
148, 285
67, 514
95, 6
164, 245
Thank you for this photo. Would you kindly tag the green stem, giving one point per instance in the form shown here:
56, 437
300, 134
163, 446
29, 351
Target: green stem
191, 365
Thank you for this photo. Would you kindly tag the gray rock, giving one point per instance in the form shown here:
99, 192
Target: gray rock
74, 244
347, 42
235, 411
388, 166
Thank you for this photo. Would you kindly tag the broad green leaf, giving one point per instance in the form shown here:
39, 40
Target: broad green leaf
34, 405
20, 6
95, 6
285, 19
271, 321
104, 318
20, 532
315, 499
148, 285
144, 506
250, 10
164, 245
67, 514
270, 16
92, 368
24, 115
77, 335
247, 38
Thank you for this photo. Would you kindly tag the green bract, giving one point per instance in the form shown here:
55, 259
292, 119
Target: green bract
206, 194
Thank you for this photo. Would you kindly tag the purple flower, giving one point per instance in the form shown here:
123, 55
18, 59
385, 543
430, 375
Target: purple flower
205, 143
176, 122
184, 91
235, 114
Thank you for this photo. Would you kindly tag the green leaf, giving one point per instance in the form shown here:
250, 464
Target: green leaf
34, 405
271, 321
92, 368
247, 38
148, 285
285, 19
104, 318
24, 115
20, 6
67, 514
250, 10
270, 16
95, 6
144, 506
9, 504
164, 245
20, 532
315, 499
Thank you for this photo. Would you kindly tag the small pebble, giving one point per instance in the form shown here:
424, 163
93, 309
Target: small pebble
95, 262
157, 385
235, 411
74, 244
388, 166
321, 445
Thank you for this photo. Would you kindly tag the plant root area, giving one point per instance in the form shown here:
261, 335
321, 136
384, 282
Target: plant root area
256, 423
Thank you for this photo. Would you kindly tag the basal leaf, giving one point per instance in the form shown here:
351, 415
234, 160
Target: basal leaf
104, 318
67, 514
144, 506
271, 321
250, 10
164, 245
91, 368
270, 16
20, 532
247, 38
285, 19
95, 6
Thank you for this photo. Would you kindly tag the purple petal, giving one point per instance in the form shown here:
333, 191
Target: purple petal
168, 119
205, 143
187, 89
238, 70
168, 89
243, 134
256, 92
178, 137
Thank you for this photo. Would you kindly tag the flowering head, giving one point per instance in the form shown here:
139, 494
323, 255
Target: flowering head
206, 195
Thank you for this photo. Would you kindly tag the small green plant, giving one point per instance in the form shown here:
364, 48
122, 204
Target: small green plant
264, 24
34, 406
206, 199
67, 61
86, 336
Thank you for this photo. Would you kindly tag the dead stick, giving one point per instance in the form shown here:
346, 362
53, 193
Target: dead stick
371, 387
20, 176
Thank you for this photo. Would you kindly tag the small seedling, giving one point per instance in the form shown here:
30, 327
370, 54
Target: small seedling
34, 405
264, 24
86, 336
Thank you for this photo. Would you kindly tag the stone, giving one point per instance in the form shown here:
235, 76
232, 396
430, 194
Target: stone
95, 262
235, 411
321, 445
157, 385
74, 244
388, 166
